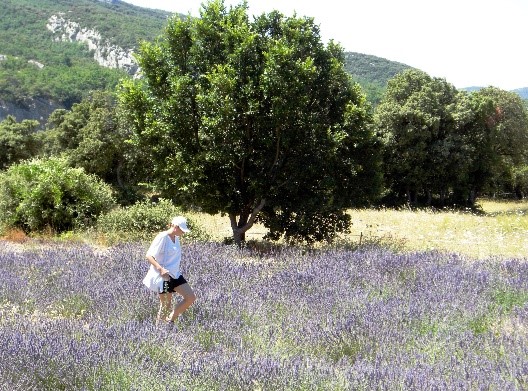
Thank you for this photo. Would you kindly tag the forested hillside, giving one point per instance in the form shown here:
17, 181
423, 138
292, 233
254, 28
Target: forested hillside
372, 73
40, 72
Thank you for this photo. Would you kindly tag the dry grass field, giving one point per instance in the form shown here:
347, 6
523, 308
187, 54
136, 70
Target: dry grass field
500, 230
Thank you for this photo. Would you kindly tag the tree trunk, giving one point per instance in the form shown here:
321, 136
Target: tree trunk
239, 237
118, 174
472, 198
442, 197
408, 193
244, 223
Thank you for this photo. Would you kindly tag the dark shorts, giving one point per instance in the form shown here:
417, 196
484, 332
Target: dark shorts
168, 286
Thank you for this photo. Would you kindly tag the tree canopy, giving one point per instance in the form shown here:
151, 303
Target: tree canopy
17, 141
254, 119
444, 143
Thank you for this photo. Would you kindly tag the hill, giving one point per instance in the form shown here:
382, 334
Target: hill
52, 52
523, 92
49, 50
372, 73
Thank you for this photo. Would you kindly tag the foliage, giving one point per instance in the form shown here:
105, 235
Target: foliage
416, 122
520, 181
89, 137
417, 321
449, 145
17, 141
509, 140
257, 120
143, 219
48, 194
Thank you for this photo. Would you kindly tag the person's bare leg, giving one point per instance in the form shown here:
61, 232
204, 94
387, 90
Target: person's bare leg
165, 306
189, 297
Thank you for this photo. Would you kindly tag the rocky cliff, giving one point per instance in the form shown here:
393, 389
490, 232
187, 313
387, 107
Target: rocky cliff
105, 53
34, 109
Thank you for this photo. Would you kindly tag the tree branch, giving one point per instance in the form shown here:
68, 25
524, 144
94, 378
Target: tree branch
251, 220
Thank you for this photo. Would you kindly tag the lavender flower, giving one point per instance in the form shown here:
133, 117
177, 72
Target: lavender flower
76, 317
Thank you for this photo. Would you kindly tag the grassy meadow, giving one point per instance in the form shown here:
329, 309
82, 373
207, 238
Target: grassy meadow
428, 301
499, 229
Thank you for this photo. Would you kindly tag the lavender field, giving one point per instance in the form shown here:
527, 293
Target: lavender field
75, 317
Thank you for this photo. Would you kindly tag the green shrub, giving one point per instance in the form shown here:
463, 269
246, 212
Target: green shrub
144, 219
48, 194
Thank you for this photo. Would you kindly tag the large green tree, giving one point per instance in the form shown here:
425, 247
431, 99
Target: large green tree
491, 126
508, 138
422, 150
254, 119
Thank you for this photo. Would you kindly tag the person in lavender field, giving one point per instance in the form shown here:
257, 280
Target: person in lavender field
164, 276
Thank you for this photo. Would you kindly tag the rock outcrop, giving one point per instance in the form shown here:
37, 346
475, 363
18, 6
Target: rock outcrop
105, 53
37, 109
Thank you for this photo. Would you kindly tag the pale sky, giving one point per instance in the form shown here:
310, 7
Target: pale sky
467, 42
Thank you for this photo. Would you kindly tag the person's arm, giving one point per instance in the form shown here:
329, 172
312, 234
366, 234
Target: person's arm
161, 270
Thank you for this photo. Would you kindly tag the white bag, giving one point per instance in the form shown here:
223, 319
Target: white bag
153, 280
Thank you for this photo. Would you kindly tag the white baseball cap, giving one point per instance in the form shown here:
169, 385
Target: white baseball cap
181, 222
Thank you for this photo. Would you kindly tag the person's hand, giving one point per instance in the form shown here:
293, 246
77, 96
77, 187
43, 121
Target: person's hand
164, 273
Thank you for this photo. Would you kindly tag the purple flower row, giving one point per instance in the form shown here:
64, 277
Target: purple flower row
76, 317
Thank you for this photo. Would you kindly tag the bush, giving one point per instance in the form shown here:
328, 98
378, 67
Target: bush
143, 219
48, 194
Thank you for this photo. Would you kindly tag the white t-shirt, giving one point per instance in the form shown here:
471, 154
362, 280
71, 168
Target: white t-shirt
168, 254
